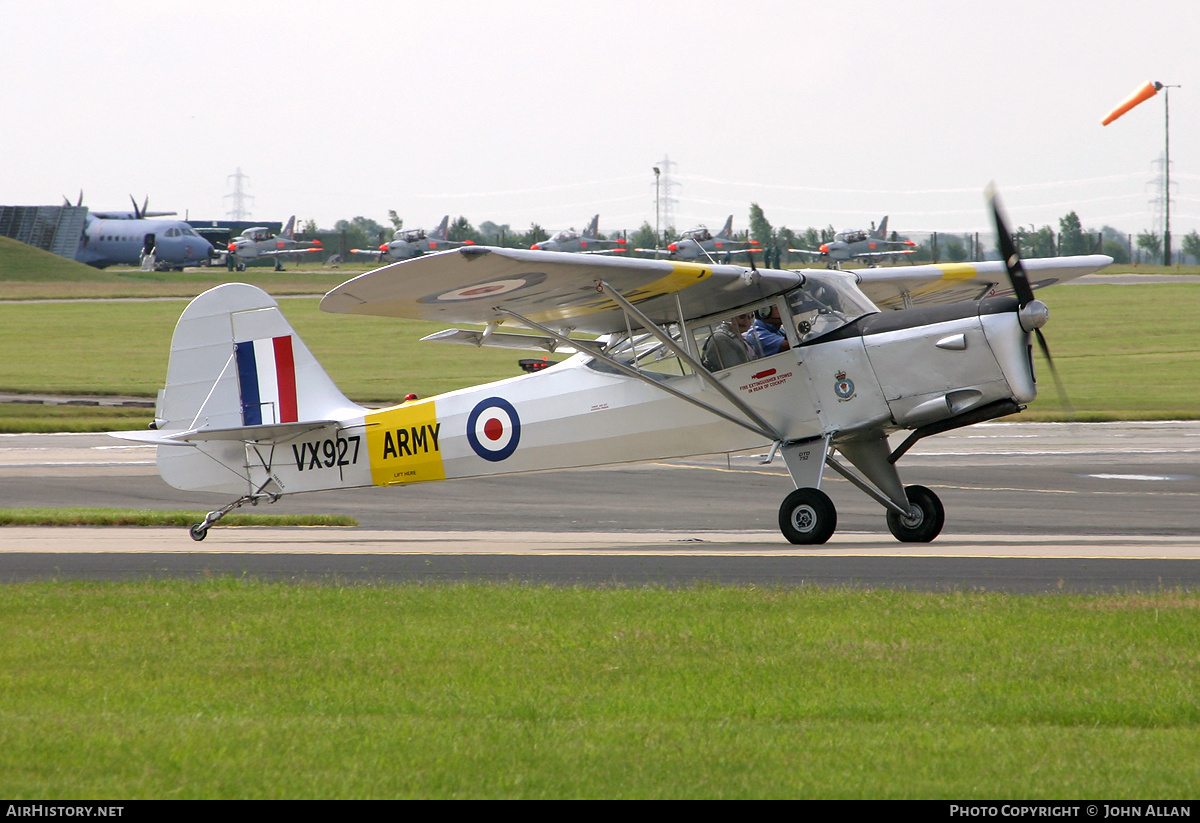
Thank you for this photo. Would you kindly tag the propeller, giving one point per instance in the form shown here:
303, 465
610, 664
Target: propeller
1033, 313
140, 214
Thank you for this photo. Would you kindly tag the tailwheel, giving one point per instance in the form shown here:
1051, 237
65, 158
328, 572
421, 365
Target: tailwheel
924, 521
807, 516
198, 532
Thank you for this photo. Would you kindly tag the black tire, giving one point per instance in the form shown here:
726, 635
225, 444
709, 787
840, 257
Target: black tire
807, 517
923, 526
198, 532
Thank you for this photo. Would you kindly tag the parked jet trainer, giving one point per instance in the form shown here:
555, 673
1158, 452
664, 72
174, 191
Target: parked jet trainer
409, 243
247, 411
700, 244
858, 244
589, 242
258, 243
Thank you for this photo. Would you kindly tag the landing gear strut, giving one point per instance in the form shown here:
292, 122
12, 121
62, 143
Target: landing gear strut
199, 531
807, 515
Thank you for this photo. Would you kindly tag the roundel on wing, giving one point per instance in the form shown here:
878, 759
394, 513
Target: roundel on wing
486, 289
494, 429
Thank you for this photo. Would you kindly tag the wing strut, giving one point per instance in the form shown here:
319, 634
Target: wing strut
766, 432
664, 338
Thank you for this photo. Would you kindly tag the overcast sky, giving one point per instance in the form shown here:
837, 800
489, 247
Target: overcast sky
516, 112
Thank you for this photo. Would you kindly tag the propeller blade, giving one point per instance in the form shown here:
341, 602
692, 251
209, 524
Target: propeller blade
1058, 383
136, 214
1008, 250
1021, 288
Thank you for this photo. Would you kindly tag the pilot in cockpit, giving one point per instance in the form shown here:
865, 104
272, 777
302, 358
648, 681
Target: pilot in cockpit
767, 332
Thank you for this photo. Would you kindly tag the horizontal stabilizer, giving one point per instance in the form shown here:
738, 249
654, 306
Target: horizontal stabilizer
267, 434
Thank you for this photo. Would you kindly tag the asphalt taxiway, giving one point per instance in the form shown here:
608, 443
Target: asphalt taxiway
1030, 507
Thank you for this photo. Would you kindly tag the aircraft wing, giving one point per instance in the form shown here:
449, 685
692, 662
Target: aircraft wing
560, 289
951, 282
128, 215
273, 252
891, 253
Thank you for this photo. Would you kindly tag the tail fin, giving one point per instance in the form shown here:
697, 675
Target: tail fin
727, 232
881, 232
442, 232
592, 232
238, 373
289, 230
235, 361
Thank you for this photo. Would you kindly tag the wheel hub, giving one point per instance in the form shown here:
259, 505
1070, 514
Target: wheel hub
804, 518
914, 518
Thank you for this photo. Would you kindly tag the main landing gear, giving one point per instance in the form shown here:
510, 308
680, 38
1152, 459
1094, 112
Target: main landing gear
808, 517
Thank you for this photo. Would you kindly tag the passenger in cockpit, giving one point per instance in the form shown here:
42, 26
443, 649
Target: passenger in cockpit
727, 347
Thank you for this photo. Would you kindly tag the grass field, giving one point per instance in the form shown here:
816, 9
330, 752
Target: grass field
234, 688
1124, 352
250, 690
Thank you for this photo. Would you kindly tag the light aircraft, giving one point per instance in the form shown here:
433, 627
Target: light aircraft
700, 244
409, 243
859, 244
248, 411
112, 238
258, 243
570, 240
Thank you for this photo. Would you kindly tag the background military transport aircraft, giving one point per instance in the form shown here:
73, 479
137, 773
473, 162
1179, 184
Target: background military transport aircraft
409, 243
589, 242
700, 244
116, 238
258, 244
859, 244
247, 411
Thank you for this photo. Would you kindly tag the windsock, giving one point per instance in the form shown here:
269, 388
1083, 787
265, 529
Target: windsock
1144, 93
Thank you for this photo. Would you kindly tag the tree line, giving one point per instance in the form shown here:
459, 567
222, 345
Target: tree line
1070, 239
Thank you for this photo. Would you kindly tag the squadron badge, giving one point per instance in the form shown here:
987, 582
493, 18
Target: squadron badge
844, 387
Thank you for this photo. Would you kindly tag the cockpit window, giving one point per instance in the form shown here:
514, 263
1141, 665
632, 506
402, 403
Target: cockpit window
826, 302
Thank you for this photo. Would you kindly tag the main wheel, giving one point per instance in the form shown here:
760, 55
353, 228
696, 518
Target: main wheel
926, 521
807, 516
